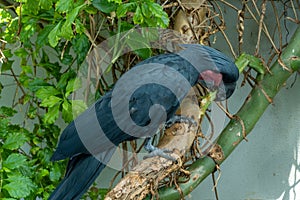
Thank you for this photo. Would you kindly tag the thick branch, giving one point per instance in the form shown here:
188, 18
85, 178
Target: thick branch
255, 105
146, 176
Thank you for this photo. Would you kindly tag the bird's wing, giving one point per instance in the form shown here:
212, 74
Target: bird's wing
131, 109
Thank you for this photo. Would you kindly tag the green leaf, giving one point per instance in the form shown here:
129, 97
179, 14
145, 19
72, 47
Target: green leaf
74, 13
145, 10
27, 69
251, 61
7, 111
81, 45
137, 41
42, 37
50, 101
161, 17
67, 32
37, 84
124, 8
21, 52
14, 161
116, 1
54, 35
46, 4
73, 85
6, 65
55, 172
14, 141
52, 114
90, 9
67, 114
7, 53
104, 5
164, 20
32, 112
19, 186
256, 64
241, 62
44, 172
138, 17
46, 91
155, 9
144, 53
62, 83
78, 106
66, 105
64, 5
67, 59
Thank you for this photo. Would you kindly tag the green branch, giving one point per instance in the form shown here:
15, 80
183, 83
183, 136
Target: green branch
254, 106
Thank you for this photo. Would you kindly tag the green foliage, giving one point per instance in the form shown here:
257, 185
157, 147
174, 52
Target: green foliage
44, 44
25, 174
255, 63
146, 13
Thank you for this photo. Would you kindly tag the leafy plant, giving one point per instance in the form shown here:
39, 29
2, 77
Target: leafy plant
27, 173
44, 45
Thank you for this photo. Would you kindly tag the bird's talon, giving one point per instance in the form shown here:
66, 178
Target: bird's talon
180, 119
161, 153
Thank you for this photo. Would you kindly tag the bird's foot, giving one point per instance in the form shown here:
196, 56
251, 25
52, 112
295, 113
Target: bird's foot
155, 151
180, 119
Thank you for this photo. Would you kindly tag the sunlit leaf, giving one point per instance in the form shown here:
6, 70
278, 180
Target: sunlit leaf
78, 106
64, 5
55, 172
54, 35
124, 8
45, 4
73, 85
19, 186
52, 114
14, 161
50, 101
14, 141
46, 91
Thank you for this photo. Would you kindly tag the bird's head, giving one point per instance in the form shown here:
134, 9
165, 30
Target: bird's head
217, 71
223, 80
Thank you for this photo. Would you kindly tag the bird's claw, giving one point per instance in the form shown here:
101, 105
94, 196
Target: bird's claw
154, 151
180, 119
161, 153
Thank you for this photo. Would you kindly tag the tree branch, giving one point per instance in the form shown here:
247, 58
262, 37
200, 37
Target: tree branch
253, 108
147, 176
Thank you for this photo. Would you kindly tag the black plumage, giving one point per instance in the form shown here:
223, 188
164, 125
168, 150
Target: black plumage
91, 139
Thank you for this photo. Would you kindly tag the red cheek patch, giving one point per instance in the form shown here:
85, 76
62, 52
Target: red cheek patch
211, 76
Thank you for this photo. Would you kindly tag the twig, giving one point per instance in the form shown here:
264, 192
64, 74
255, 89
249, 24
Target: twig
278, 25
261, 21
230, 5
215, 182
294, 10
264, 28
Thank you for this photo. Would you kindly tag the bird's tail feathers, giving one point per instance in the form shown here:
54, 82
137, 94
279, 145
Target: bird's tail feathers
82, 170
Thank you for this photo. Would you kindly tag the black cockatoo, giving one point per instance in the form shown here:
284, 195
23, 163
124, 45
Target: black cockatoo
142, 99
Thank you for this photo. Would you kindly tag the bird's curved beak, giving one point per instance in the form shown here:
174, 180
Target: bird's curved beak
213, 81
